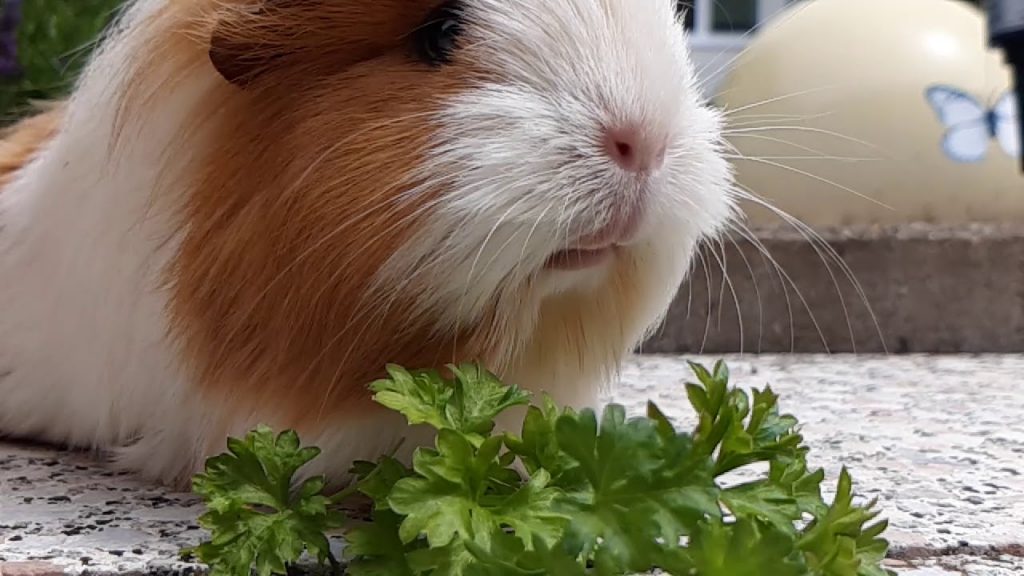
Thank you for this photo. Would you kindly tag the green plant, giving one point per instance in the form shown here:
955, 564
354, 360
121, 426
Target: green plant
608, 495
54, 39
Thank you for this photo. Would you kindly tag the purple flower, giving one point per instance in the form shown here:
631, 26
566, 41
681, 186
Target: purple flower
9, 21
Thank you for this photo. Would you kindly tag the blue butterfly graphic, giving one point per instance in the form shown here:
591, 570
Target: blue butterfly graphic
970, 126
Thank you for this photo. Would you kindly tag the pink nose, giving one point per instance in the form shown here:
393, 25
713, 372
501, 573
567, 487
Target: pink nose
633, 151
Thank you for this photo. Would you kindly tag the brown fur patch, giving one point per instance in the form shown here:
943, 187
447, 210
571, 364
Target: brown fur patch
301, 199
22, 141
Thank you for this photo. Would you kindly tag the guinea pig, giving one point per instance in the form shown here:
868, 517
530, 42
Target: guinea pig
246, 209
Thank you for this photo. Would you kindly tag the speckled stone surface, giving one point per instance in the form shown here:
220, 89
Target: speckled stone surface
939, 440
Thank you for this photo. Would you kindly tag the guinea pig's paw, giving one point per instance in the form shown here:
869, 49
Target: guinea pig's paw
160, 458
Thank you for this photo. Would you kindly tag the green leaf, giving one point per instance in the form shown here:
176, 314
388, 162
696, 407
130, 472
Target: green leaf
449, 497
800, 484
378, 481
451, 560
625, 509
841, 542
763, 501
533, 512
256, 519
480, 397
538, 449
438, 502
611, 497
738, 430
421, 397
745, 548
468, 404
374, 548
509, 555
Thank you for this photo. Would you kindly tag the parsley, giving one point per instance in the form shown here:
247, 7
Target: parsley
257, 518
602, 493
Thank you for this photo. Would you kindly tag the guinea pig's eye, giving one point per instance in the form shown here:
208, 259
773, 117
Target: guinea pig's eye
685, 8
435, 39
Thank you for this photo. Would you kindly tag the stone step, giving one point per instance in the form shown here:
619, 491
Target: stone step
939, 440
919, 288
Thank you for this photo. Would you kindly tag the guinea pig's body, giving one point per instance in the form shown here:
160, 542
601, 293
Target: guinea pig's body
247, 208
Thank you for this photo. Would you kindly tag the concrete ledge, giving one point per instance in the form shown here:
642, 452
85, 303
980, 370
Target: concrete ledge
932, 289
939, 440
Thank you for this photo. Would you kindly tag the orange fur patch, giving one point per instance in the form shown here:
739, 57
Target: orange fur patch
300, 200
22, 141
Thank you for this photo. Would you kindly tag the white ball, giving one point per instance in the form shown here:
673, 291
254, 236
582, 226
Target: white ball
876, 112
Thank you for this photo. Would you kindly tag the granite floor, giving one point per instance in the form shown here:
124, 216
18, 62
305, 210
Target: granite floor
938, 440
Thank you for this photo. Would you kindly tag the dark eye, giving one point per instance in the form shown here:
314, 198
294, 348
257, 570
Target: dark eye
685, 8
435, 39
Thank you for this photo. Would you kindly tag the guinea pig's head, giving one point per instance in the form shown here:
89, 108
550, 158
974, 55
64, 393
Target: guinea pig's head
414, 181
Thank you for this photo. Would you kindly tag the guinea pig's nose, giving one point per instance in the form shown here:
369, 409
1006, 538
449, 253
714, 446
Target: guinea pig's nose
634, 151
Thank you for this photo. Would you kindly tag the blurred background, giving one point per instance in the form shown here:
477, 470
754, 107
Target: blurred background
720, 29
43, 44
876, 145
873, 143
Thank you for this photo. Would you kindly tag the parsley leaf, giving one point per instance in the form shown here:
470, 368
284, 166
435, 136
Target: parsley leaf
576, 493
624, 509
255, 515
468, 404
745, 548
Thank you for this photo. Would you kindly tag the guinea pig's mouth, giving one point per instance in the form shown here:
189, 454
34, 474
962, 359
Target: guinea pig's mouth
598, 247
580, 258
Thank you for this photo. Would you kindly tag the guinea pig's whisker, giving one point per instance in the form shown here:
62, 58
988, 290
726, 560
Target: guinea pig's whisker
775, 268
487, 240
695, 212
811, 237
509, 240
483, 184
729, 113
720, 258
394, 204
753, 30
364, 306
311, 250
372, 203
529, 236
295, 262
753, 122
361, 308
739, 119
757, 293
818, 178
476, 260
807, 129
823, 249
787, 280
348, 139
707, 290
382, 307
845, 159
776, 141
566, 218
337, 271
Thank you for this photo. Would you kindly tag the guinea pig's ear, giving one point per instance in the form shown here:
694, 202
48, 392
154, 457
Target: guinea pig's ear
244, 44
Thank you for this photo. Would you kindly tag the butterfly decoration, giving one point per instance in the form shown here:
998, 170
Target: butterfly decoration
971, 126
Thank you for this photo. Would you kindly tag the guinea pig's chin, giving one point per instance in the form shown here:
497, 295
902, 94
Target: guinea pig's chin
597, 248
580, 259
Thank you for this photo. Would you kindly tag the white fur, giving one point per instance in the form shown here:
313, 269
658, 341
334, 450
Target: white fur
85, 235
84, 240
